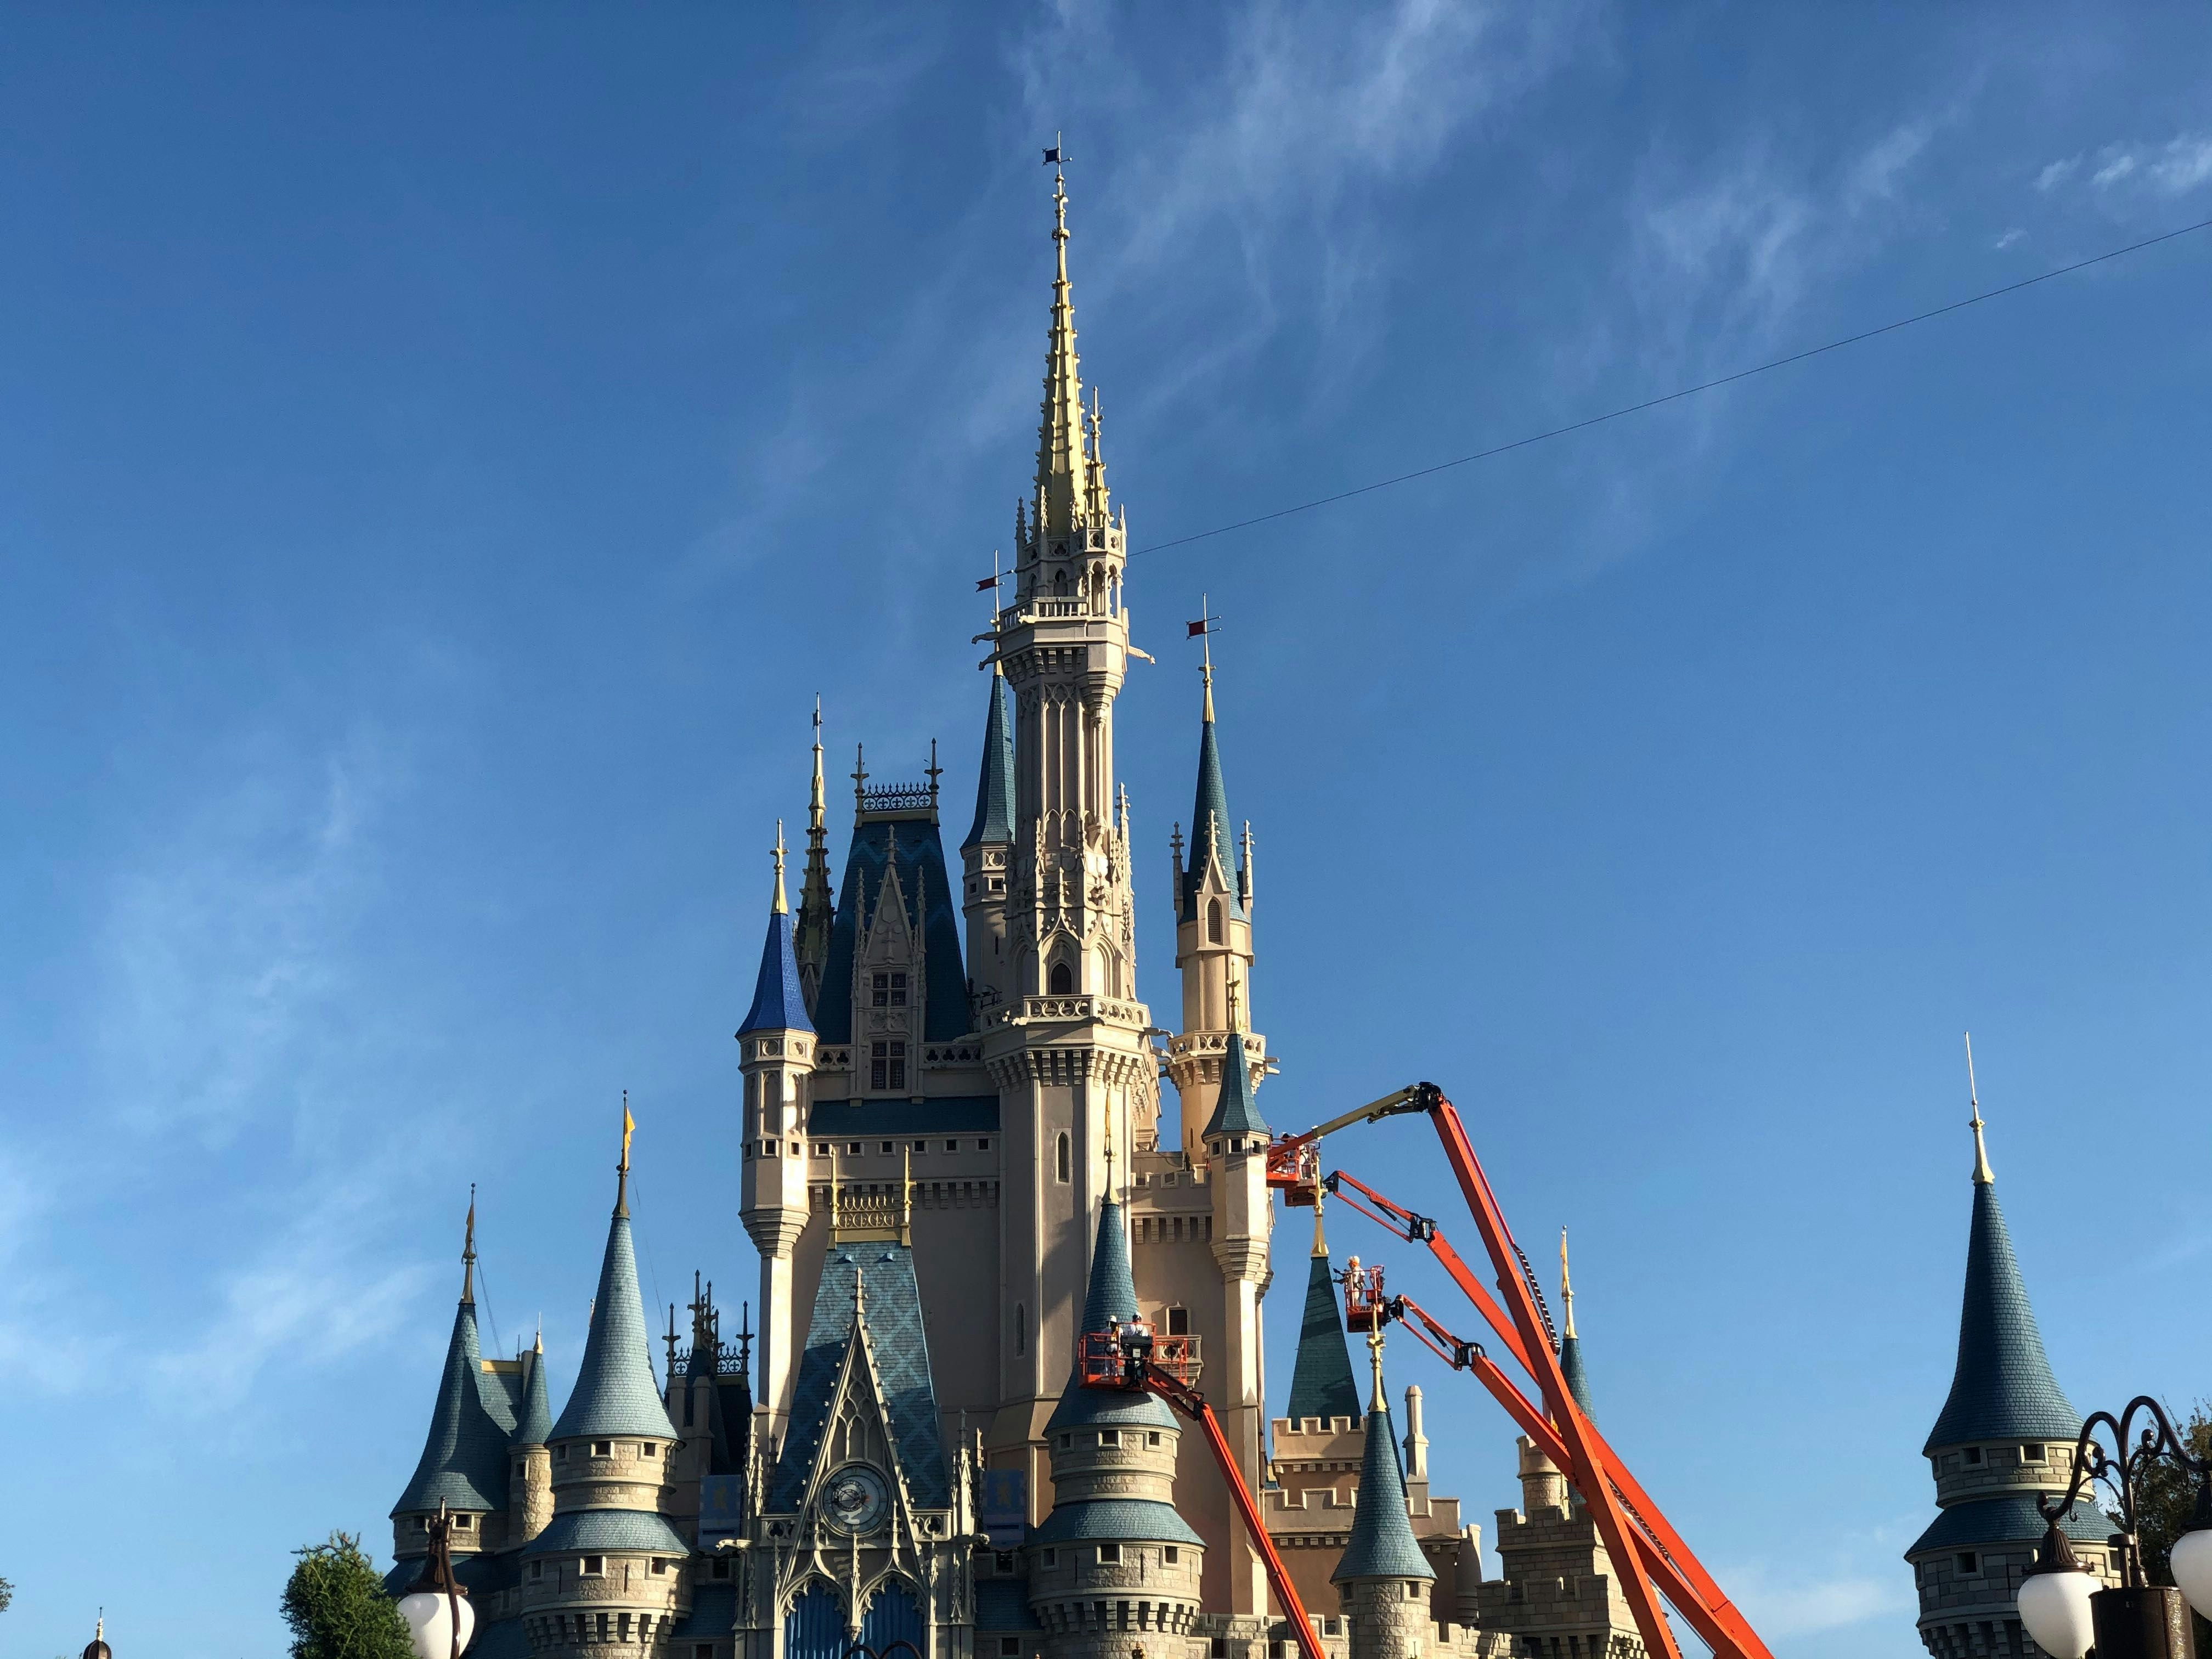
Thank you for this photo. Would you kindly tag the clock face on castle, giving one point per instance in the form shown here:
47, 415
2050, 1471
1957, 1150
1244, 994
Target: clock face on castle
854, 1498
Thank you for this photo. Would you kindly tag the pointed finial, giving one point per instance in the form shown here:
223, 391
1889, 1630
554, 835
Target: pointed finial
1376, 1402
780, 906
859, 774
1235, 1011
1320, 1239
1205, 641
932, 771
1981, 1175
468, 1250
622, 1169
1566, 1284
670, 1339
537, 1346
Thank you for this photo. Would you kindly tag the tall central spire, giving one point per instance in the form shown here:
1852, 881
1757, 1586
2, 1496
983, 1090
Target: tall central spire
1062, 466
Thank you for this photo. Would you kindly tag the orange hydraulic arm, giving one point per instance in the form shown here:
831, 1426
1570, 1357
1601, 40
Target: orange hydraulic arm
1643, 1547
1673, 1565
1133, 1359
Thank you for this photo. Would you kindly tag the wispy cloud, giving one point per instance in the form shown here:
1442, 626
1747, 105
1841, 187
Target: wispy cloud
315, 1290
2137, 170
227, 941
41, 1347
1850, 1588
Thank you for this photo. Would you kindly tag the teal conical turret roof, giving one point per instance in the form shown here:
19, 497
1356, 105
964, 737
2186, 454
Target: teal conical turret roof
1381, 1544
464, 1461
1236, 1112
614, 1392
1570, 1344
2001, 1388
1210, 831
1322, 1383
994, 780
536, 1422
1112, 1296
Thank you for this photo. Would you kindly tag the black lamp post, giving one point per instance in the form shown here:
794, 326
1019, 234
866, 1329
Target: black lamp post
2061, 1604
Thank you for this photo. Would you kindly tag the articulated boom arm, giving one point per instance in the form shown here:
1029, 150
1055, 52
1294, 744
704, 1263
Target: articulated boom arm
1132, 1359
1648, 1555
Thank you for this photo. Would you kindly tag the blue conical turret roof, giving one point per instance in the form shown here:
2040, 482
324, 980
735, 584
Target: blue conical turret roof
1234, 1110
1112, 1296
2002, 1387
779, 1005
1321, 1384
464, 1462
994, 782
1210, 831
615, 1393
1381, 1544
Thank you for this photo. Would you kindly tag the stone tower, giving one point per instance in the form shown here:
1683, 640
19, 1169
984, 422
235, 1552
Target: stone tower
609, 1569
2006, 1435
776, 1052
1114, 1566
1065, 1045
1384, 1580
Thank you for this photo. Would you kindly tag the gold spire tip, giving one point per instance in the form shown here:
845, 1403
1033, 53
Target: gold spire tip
1320, 1239
1981, 1175
1567, 1283
1376, 1401
469, 1249
780, 906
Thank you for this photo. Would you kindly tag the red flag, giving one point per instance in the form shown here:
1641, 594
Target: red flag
988, 582
1200, 627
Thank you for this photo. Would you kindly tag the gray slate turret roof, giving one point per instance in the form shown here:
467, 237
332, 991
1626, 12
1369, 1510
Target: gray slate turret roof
1381, 1544
2008, 1519
876, 1279
1210, 834
1321, 1382
1235, 1111
994, 782
778, 1003
614, 1392
2002, 1387
464, 1462
1112, 1295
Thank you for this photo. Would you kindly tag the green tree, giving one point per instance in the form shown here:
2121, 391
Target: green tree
337, 1607
7, 1594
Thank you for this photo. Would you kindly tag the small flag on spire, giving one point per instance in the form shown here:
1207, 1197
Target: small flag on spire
1203, 625
986, 583
1052, 156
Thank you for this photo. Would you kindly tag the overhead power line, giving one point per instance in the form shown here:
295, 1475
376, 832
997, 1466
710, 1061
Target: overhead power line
1671, 397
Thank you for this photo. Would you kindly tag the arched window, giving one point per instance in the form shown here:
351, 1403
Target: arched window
1213, 921
1060, 585
1063, 980
1061, 1159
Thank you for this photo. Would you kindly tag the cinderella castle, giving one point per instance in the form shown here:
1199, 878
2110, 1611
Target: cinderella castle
956, 1160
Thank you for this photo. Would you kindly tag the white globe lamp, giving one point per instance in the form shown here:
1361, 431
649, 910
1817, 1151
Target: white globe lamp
2192, 1559
2054, 1600
430, 1618
435, 1609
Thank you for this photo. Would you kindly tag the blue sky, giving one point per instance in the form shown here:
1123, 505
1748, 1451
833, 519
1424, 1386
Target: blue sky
442, 453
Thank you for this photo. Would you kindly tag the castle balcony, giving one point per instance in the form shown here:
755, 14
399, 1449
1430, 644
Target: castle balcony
1025, 1010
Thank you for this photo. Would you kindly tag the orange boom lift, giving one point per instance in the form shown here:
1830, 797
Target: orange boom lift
1648, 1554
1132, 1359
